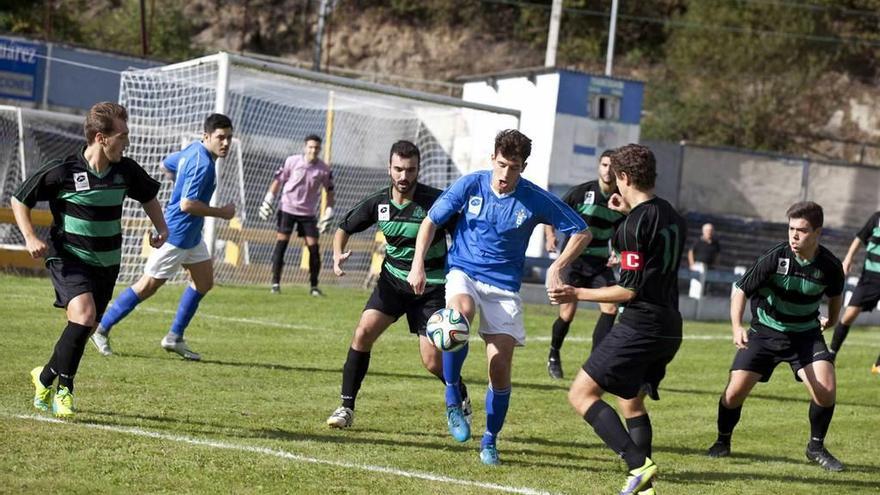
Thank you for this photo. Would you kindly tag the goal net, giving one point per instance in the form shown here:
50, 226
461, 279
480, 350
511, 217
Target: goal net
273, 107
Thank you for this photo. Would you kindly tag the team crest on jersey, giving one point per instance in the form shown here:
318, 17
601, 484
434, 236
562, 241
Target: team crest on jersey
520, 217
81, 181
418, 212
475, 204
384, 212
590, 197
782, 266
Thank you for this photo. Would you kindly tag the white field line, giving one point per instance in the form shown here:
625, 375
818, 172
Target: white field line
217, 444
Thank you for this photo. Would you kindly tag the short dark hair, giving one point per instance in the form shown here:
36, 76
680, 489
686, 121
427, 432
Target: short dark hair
809, 211
405, 149
638, 163
312, 137
102, 118
607, 153
217, 121
512, 144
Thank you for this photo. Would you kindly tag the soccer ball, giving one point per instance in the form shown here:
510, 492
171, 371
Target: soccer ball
448, 330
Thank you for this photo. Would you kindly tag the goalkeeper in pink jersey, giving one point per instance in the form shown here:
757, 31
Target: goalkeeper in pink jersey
299, 181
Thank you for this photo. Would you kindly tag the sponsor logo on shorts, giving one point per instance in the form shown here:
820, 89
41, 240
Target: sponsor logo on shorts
81, 181
631, 260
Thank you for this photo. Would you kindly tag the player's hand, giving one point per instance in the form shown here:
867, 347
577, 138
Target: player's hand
823, 323
157, 238
741, 337
227, 211
554, 277
618, 204
562, 294
613, 260
847, 264
36, 247
338, 260
267, 208
326, 220
550, 244
416, 279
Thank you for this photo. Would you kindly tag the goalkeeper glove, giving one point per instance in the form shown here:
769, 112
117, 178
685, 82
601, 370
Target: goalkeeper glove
268, 206
326, 220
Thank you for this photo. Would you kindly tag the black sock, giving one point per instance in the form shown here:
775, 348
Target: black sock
560, 330
353, 373
727, 420
641, 432
820, 420
68, 352
603, 326
314, 264
606, 423
840, 333
48, 375
278, 260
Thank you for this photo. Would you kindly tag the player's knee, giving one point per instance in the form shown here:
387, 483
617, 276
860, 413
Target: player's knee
363, 339
82, 314
433, 363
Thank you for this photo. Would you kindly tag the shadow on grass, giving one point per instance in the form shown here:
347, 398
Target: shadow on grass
712, 477
804, 399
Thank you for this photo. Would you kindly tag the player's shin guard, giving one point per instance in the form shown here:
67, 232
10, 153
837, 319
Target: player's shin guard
189, 303
68, 353
603, 326
727, 420
278, 260
314, 264
608, 427
497, 402
840, 333
356, 365
820, 420
641, 432
121, 307
452, 364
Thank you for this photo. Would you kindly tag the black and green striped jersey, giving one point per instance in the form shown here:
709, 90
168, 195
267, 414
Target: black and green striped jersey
592, 204
87, 207
870, 237
786, 291
400, 225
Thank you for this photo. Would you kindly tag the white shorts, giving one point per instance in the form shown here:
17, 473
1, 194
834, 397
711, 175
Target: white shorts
501, 310
165, 261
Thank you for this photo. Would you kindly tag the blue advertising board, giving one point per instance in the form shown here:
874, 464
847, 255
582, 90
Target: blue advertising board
21, 69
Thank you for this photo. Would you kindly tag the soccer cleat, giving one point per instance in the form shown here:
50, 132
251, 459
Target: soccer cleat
824, 458
458, 425
276, 289
875, 369
342, 417
489, 455
102, 343
42, 394
639, 477
179, 346
62, 403
554, 368
649, 491
316, 292
719, 449
466, 408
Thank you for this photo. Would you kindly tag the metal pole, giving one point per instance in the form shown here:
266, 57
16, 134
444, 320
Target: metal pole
319, 35
219, 107
145, 47
553, 34
612, 31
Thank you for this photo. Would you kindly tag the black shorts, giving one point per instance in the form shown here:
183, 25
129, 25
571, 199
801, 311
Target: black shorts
395, 302
629, 360
306, 226
767, 348
866, 294
72, 278
589, 275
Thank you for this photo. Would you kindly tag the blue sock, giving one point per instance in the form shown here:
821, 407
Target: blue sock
497, 402
122, 306
189, 303
452, 363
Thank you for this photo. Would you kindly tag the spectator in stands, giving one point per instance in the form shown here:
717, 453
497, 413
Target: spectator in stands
705, 251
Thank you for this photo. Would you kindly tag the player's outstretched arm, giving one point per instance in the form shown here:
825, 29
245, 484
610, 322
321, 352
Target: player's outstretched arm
34, 245
340, 241
737, 306
416, 277
154, 211
200, 209
573, 249
851, 254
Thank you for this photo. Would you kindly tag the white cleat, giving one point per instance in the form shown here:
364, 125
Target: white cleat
342, 417
102, 343
180, 347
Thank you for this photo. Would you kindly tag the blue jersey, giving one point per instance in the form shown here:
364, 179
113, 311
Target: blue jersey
489, 240
194, 180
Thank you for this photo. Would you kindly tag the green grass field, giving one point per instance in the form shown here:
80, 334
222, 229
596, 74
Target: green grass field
250, 417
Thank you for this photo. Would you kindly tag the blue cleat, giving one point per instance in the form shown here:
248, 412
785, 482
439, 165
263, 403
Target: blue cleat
489, 455
458, 425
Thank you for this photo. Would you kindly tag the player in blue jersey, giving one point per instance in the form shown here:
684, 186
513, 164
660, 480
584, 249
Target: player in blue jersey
194, 183
498, 211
